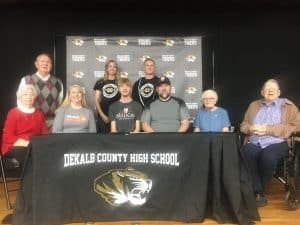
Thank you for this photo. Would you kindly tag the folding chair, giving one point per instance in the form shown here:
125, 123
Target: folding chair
10, 173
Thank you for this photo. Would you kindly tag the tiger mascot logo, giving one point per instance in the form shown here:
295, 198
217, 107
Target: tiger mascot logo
123, 185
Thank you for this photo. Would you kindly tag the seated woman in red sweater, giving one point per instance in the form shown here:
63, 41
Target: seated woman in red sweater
21, 123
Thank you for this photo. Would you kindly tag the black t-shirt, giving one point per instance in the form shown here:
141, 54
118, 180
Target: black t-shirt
109, 93
144, 91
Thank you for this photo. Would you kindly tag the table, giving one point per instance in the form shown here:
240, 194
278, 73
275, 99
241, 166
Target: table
166, 176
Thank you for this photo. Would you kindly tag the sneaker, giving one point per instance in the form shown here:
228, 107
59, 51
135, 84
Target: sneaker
260, 199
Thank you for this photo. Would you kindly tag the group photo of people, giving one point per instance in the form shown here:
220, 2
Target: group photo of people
122, 106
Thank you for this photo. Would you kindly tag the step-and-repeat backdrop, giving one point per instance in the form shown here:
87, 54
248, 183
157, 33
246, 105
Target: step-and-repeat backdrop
179, 58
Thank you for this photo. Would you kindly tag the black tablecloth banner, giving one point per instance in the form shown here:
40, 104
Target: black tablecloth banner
181, 177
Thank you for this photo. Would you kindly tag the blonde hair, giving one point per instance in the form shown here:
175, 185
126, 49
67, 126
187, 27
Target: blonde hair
149, 59
67, 101
25, 87
117, 75
209, 92
124, 81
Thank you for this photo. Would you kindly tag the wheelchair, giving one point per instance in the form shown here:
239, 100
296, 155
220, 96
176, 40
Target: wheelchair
288, 173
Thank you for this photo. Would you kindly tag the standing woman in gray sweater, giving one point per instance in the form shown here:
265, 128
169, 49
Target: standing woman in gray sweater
73, 116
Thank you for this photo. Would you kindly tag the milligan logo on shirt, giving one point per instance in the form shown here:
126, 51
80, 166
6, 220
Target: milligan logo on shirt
125, 114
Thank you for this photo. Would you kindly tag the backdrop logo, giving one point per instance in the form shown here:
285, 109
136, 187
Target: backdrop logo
169, 74
190, 41
141, 73
99, 73
122, 42
100, 41
121, 186
191, 90
78, 74
144, 41
173, 90
168, 58
192, 105
144, 57
78, 58
124, 74
169, 42
191, 73
78, 42
101, 58
190, 58
123, 58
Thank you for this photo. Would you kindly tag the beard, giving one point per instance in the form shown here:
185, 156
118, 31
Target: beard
164, 96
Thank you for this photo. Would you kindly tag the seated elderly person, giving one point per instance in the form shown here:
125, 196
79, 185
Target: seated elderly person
268, 123
73, 116
211, 117
167, 113
21, 123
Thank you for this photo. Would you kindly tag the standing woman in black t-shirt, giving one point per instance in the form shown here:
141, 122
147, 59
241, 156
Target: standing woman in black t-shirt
106, 92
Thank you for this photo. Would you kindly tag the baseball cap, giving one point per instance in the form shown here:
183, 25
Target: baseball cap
163, 80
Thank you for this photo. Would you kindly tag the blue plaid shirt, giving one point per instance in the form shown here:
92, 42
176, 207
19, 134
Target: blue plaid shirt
270, 115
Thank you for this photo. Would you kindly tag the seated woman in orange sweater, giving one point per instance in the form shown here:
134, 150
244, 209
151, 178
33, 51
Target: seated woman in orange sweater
21, 123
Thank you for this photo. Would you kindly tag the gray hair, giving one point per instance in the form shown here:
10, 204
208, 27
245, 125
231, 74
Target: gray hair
271, 81
209, 92
24, 88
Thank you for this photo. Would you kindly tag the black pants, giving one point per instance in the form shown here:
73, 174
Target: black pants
102, 127
262, 162
15, 157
